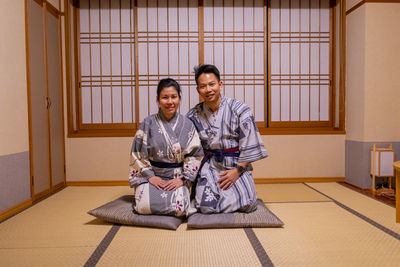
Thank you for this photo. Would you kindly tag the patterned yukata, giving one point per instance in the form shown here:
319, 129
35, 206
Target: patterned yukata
232, 126
164, 142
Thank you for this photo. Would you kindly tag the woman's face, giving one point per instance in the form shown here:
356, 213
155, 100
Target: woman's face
169, 101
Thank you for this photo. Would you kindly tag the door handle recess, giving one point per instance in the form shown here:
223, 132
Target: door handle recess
48, 102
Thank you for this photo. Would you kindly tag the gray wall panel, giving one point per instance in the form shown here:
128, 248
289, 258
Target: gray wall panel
358, 160
15, 186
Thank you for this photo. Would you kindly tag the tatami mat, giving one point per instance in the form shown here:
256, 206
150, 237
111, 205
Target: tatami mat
55, 256
133, 246
318, 231
371, 208
324, 234
57, 223
290, 192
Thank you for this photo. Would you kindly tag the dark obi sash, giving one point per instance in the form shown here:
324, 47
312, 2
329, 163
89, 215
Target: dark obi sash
166, 164
220, 154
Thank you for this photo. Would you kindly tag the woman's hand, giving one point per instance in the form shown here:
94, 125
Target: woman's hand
157, 182
173, 184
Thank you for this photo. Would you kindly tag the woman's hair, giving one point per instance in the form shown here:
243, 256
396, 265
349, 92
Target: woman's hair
168, 82
207, 68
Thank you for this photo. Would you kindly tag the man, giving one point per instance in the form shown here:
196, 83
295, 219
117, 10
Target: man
231, 141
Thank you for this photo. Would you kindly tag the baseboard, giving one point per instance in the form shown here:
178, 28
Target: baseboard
14, 210
257, 181
299, 180
99, 183
41, 195
58, 186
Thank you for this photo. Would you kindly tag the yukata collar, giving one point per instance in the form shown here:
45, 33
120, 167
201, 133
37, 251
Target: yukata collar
162, 116
221, 105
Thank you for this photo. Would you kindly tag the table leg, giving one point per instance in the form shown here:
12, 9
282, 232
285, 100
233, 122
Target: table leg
397, 195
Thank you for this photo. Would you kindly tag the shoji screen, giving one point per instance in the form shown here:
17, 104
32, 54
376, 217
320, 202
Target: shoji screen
276, 59
166, 34
235, 41
168, 47
106, 46
300, 54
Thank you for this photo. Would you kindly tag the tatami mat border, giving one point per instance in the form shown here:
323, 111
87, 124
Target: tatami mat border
361, 216
258, 248
371, 197
101, 248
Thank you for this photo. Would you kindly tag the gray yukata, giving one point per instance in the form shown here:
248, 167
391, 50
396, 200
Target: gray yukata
231, 126
162, 141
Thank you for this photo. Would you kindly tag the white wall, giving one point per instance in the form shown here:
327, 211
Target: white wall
97, 159
14, 134
382, 72
14, 129
355, 74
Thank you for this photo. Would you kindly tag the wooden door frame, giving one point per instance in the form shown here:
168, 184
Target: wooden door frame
46, 7
57, 14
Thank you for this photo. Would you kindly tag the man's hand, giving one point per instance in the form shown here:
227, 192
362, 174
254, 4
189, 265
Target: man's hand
157, 182
173, 184
228, 178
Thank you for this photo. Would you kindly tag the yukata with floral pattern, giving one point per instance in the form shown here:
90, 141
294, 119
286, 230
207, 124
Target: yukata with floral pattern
158, 140
231, 126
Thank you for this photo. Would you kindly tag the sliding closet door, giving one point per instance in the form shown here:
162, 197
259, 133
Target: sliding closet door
38, 104
55, 96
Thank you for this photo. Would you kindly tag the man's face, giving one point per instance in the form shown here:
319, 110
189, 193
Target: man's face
209, 88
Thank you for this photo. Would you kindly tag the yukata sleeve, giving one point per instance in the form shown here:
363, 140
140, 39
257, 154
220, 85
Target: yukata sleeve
192, 115
251, 146
192, 155
140, 169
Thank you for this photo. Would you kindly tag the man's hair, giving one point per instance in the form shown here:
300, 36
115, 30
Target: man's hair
168, 82
206, 68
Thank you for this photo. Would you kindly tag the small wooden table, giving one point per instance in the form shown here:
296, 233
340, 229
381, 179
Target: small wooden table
397, 167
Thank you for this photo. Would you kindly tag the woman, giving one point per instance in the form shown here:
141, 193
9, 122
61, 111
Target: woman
165, 157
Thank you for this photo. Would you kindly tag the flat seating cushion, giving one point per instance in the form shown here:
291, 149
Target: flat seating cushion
262, 217
120, 211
